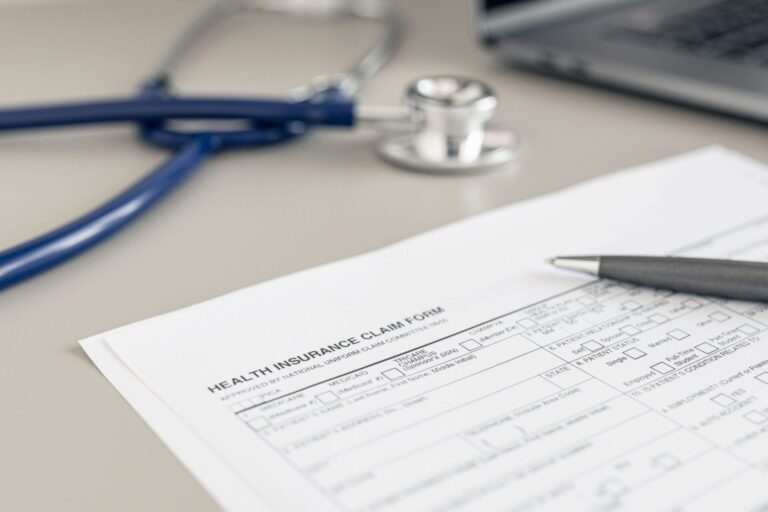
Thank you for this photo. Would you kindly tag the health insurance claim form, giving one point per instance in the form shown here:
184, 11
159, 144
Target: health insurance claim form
454, 371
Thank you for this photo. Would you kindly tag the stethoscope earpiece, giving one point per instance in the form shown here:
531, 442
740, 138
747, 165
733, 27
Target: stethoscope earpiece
447, 130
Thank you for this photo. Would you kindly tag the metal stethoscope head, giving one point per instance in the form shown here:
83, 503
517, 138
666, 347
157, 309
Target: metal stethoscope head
442, 125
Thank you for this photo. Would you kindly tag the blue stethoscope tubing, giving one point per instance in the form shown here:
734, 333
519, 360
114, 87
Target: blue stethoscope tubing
266, 122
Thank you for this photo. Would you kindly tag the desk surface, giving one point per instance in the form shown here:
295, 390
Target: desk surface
69, 441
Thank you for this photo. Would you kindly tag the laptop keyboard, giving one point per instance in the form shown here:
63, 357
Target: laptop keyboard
736, 30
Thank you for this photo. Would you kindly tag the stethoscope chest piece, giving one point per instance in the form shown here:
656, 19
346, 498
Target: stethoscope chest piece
448, 129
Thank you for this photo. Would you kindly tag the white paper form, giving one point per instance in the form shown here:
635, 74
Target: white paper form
455, 371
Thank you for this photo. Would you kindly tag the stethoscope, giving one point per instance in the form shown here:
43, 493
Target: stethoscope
442, 127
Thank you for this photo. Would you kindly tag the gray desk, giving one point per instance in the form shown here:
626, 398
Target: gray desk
69, 442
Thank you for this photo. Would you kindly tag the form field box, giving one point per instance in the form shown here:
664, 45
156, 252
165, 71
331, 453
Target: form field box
635, 353
723, 400
678, 334
592, 345
258, 422
393, 373
566, 376
756, 417
763, 377
662, 368
327, 397
630, 330
666, 461
707, 348
692, 303
719, 316
613, 488
586, 300
631, 305
658, 318
471, 345
748, 329
527, 323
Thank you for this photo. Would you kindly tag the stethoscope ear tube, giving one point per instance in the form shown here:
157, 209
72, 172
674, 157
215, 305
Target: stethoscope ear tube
48, 250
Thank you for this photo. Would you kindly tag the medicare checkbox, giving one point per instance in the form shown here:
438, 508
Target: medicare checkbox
658, 318
662, 368
470, 345
723, 400
586, 300
327, 397
763, 377
631, 305
719, 316
527, 323
748, 329
393, 373
630, 330
707, 348
756, 417
635, 353
692, 303
678, 334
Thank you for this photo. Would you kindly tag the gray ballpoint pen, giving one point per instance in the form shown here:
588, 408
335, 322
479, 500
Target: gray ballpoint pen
741, 280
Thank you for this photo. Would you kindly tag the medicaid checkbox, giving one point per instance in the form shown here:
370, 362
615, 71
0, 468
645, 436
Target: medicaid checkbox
748, 329
719, 316
592, 345
327, 397
763, 377
393, 373
527, 323
470, 345
635, 353
662, 368
723, 400
658, 318
630, 330
756, 417
631, 305
678, 334
707, 348
692, 303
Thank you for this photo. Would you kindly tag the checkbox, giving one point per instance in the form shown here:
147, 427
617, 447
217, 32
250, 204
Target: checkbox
723, 400
662, 368
719, 316
631, 305
692, 303
763, 377
612, 487
327, 397
393, 373
678, 334
635, 353
586, 300
666, 461
658, 318
748, 329
592, 345
470, 345
707, 348
527, 323
258, 423
630, 330
756, 417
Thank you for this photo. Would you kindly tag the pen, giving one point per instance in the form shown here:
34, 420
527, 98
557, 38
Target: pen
741, 280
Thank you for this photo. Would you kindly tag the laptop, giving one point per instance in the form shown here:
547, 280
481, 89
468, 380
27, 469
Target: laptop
712, 54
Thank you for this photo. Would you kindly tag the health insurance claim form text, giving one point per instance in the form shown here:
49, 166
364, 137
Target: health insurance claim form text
455, 371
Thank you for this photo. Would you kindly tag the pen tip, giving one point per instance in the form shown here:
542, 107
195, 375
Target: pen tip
549, 261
